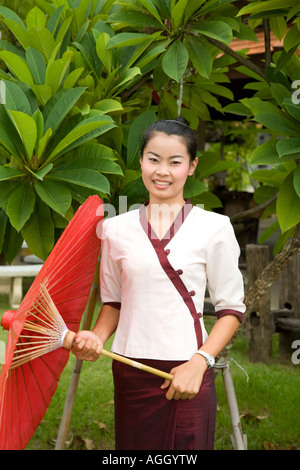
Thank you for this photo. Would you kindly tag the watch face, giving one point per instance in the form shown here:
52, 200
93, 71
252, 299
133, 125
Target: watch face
211, 361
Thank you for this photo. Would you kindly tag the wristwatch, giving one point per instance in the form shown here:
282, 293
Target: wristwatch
210, 360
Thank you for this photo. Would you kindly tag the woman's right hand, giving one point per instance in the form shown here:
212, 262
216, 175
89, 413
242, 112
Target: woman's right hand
87, 346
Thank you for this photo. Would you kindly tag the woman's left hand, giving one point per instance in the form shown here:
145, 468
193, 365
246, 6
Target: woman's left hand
187, 379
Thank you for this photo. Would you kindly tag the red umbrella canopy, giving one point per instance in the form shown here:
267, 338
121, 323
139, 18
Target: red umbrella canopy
27, 389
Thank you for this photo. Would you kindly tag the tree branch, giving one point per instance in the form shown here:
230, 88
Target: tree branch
253, 210
266, 25
267, 278
242, 60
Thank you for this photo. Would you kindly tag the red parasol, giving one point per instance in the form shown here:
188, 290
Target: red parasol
26, 390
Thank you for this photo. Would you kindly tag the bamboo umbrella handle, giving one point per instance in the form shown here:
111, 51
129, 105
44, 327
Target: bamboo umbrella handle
68, 342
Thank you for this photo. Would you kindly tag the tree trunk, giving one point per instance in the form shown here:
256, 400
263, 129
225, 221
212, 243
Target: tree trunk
261, 327
269, 275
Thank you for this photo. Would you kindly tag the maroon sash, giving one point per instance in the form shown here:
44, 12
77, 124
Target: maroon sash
173, 275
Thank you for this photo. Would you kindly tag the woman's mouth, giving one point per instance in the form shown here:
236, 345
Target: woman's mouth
162, 183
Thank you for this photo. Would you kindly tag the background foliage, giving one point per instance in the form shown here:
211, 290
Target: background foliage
80, 81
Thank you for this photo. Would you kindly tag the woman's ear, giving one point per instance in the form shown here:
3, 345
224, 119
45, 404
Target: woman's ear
193, 166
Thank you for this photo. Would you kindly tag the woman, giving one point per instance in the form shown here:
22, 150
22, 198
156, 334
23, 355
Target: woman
156, 263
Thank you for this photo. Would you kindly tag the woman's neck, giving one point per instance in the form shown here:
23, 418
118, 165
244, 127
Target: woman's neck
162, 215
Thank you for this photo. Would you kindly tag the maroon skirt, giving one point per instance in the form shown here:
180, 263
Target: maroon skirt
146, 420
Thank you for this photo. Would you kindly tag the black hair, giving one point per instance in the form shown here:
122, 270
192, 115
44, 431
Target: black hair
179, 127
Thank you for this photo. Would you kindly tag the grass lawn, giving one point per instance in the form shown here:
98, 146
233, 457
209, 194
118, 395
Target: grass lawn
269, 404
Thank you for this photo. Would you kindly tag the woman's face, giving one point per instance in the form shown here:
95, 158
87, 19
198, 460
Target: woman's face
165, 167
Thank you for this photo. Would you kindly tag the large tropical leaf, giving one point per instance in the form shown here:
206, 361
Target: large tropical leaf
56, 71
17, 66
175, 61
7, 173
288, 204
86, 130
55, 195
27, 129
15, 98
82, 177
38, 232
20, 205
136, 131
37, 65
59, 105
200, 55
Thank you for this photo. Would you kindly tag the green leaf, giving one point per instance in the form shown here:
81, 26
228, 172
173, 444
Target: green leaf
288, 147
288, 204
83, 177
258, 7
104, 54
37, 65
109, 106
56, 71
280, 92
55, 195
280, 124
175, 61
38, 232
20, 205
199, 53
297, 181
137, 19
265, 154
43, 141
268, 232
86, 130
177, 13
193, 187
292, 38
71, 80
236, 108
127, 39
42, 40
6, 188
15, 98
292, 109
12, 243
3, 223
17, 66
278, 26
27, 130
272, 177
124, 80
11, 15
35, 17
19, 32
151, 8
7, 173
136, 131
59, 105
214, 29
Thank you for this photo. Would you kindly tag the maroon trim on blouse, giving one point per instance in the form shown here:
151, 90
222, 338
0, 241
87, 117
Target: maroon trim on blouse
236, 313
116, 305
172, 274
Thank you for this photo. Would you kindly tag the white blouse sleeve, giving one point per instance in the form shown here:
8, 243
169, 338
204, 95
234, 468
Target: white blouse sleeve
110, 273
225, 281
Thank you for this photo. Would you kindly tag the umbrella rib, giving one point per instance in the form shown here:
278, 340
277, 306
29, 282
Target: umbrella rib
64, 253
60, 266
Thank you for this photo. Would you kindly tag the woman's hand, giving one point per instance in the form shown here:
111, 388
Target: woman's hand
187, 379
87, 346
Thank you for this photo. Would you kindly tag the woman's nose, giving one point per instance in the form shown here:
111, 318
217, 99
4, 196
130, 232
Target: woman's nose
162, 170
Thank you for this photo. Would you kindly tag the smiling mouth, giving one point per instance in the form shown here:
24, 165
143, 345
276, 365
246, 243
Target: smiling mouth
162, 183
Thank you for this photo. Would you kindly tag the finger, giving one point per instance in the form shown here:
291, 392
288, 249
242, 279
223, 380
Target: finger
184, 396
166, 384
